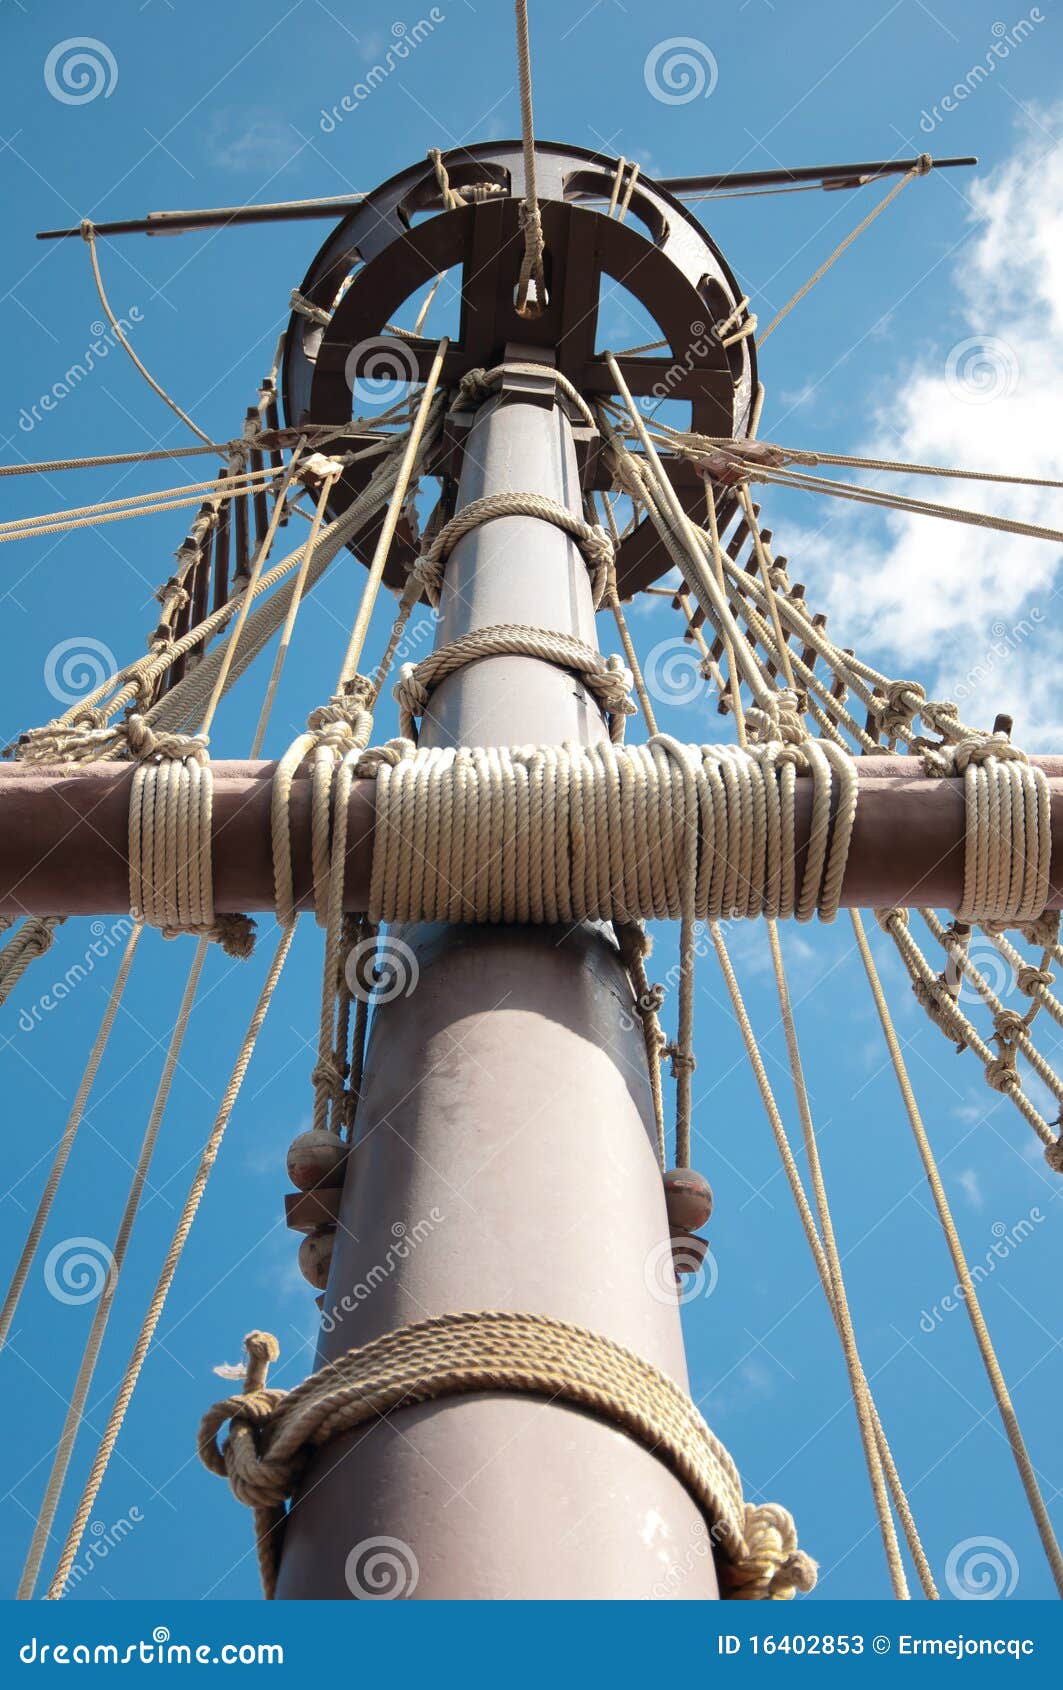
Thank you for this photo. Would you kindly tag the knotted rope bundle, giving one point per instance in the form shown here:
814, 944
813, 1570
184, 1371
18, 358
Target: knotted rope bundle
272, 1433
605, 678
571, 833
1008, 829
170, 810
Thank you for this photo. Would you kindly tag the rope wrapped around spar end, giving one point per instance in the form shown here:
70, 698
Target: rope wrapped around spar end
171, 804
571, 833
1007, 830
272, 1434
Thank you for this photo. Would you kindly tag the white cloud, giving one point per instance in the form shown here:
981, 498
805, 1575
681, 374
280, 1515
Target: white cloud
248, 141
972, 1190
968, 609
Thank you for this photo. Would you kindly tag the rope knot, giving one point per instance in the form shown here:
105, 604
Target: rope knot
888, 918
474, 386
778, 721
1028, 978
683, 1061
770, 1567
923, 164
145, 743
1054, 1155
377, 756
1044, 932
974, 752
345, 723
1001, 1072
897, 705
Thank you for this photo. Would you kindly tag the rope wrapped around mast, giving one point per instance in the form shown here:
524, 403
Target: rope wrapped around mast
273, 1433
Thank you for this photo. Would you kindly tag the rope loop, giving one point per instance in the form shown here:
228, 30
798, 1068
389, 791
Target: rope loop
606, 679
593, 540
271, 1433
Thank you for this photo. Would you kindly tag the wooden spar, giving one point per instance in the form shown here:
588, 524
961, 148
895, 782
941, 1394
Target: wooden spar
64, 846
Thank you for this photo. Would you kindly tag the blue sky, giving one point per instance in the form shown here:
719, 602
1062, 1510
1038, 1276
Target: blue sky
211, 106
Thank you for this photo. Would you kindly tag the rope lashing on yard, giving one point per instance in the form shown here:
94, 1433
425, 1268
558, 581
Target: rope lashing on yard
170, 809
1008, 829
570, 833
273, 1434
605, 678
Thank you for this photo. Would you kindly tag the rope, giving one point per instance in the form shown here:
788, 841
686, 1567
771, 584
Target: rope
593, 541
924, 164
29, 941
478, 384
272, 1433
1007, 833
938, 1000
170, 809
531, 222
605, 679
101, 1314
137, 504
988, 1354
861, 1388
66, 1142
151, 1320
420, 440
88, 235
571, 833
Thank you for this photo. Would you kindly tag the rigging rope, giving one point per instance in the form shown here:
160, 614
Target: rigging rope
532, 276
924, 164
88, 235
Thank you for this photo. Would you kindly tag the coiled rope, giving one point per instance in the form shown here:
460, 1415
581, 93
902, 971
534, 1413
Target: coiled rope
570, 833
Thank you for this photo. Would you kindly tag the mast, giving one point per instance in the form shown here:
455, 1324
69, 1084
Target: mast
505, 1130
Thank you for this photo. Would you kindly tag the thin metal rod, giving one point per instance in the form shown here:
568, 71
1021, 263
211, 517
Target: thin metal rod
289, 211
